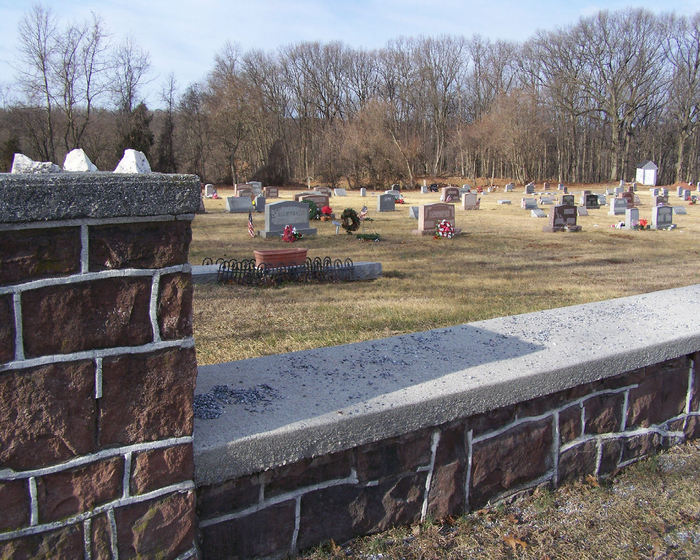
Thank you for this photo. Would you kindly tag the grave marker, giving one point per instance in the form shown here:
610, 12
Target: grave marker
413, 212
363, 191
661, 217
591, 201
528, 203
340, 192
286, 212
450, 194
568, 199
546, 200
260, 203
562, 217
429, 215
470, 201
271, 192
239, 204
617, 206
629, 198
386, 202
582, 211
631, 218
320, 200
209, 190
530, 188
537, 213
678, 210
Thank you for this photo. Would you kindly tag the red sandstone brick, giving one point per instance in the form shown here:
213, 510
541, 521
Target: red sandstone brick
260, 534
160, 528
139, 245
578, 461
228, 496
14, 504
74, 491
516, 457
158, 468
569, 423
661, 394
610, 456
7, 329
175, 306
604, 413
340, 512
31, 254
447, 486
47, 414
307, 472
147, 397
101, 539
66, 542
491, 420
101, 314
393, 456
639, 446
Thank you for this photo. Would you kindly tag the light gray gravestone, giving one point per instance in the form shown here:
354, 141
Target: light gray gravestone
503, 201
679, 210
661, 217
413, 212
424, 189
209, 190
528, 203
470, 201
654, 192
509, 187
537, 213
602, 200
619, 190
238, 204
286, 212
679, 192
546, 200
631, 218
340, 192
618, 206
582, 211
530, 188
386, 203
363, 191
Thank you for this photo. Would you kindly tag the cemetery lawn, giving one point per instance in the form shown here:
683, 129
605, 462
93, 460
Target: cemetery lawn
502, 264
649, 510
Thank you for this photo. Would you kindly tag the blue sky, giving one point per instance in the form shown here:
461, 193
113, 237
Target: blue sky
183, 36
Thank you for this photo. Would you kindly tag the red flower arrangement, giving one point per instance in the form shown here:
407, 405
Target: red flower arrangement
326, 210
444, 229
290, 234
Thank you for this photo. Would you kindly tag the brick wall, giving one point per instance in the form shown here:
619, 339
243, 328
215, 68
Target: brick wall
97, 367
596, 428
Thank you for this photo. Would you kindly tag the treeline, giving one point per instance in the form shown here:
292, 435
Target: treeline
584, 103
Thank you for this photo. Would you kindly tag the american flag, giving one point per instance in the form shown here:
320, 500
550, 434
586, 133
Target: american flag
251, 229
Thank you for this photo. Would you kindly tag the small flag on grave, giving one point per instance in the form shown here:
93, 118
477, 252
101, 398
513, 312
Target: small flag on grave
251, 229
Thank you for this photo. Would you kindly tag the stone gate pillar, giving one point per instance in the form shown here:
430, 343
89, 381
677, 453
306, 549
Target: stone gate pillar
97, 366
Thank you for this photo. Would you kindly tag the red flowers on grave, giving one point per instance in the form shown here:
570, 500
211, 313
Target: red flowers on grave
326, 210
444, 230
290, 234
643, 223
399, 200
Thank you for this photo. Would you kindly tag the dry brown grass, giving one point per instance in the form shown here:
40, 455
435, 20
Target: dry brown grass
502, 264
649, 511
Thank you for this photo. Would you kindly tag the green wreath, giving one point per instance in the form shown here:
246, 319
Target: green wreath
314, 212
350, 220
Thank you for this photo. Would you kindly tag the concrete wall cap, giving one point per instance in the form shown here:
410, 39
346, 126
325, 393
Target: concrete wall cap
65, 196
329, 399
